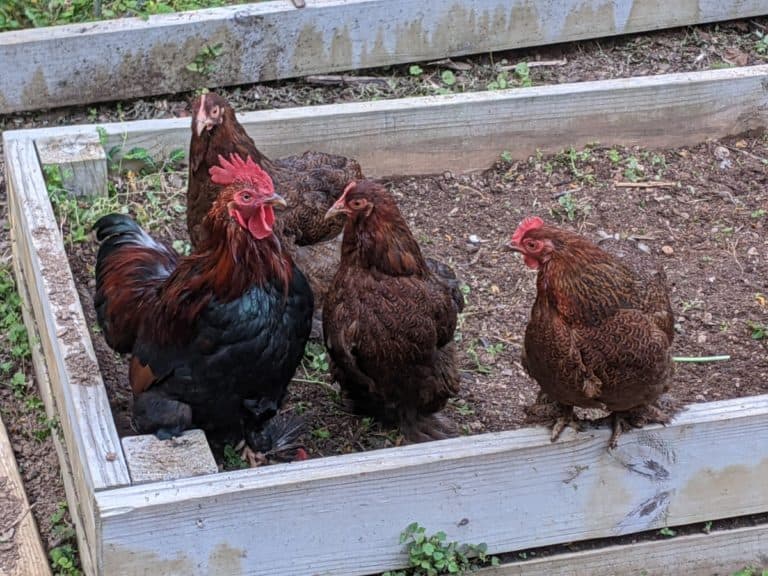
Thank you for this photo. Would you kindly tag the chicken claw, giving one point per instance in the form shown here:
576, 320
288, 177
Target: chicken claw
566, 418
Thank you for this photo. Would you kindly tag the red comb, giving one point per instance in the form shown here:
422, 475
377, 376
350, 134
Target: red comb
238, 170
528, 224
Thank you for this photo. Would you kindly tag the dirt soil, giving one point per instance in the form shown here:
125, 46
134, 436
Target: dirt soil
701, 211
491, 213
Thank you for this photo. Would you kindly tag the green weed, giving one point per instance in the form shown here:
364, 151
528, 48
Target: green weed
16, 14
64, 558
434, 555
233, 460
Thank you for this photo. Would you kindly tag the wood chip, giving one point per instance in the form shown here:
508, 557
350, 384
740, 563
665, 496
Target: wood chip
658, 184
668, 250
337, 79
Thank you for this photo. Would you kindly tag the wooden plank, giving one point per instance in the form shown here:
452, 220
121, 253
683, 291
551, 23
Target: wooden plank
130, 58
710, 463
150, 459
717, 554
80, 509
22, 550
81, 399
82, 161
468, 131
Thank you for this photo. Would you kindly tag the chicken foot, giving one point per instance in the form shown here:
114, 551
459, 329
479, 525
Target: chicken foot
566, 418
636, 418
426, 427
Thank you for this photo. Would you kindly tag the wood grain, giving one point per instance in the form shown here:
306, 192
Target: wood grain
513, 490
469, 131
80, 509
81, 399
719, 553
150, 459
131, 57
22, 550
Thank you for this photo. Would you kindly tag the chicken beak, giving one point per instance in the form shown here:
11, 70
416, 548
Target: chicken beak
276, 200
200, 125
337, 208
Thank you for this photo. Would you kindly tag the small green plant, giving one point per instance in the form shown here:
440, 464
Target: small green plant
690, 305
19, 384
668, 532
758, 331
523, 73
750, 571
182, 247
707, 527
761, 44
463, 407
500, 83
759, 213
321, 433
434, 555
506, 156
316, 358
64, 560
480, 366
614, 155
633, 171
571, 209
204, 62
233, 460
448, 77
415, 70
11, 321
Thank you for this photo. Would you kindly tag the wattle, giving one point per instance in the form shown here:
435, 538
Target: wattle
531, 262
260, 224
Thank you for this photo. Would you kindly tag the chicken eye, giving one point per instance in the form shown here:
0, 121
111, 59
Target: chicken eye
246, 197
215, 112
357, 203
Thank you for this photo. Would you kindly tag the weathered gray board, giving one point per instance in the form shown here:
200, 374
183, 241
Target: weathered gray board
128, 58
514, 490
468, 131
710, 463
719, 553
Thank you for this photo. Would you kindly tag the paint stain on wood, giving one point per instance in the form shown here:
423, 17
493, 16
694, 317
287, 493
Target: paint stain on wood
743, 486
222, 559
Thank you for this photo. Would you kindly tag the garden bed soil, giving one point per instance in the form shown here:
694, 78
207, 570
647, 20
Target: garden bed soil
701, 211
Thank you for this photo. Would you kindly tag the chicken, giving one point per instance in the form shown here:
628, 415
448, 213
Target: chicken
389, 318
215, 337
601, 327
310, 184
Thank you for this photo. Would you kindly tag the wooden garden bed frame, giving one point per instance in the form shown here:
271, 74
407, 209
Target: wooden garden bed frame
132, 57
342, 515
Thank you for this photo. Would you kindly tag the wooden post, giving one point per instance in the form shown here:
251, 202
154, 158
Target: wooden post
82, 161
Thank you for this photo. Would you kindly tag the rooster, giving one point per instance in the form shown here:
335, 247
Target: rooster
215, 337
601, 327
310, 184
389, 318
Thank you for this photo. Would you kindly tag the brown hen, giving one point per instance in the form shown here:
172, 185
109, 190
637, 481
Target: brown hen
310, 184
389, 318
601, 327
